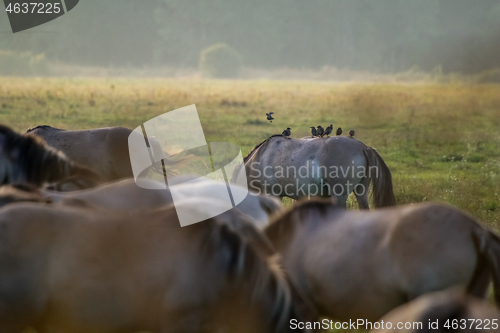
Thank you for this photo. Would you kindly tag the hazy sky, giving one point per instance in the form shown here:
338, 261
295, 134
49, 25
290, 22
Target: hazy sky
377, 35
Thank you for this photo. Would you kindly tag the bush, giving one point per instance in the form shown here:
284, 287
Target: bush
22, 64
220, 61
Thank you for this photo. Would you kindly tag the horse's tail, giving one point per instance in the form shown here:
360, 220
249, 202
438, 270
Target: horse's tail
381, 179
488, 247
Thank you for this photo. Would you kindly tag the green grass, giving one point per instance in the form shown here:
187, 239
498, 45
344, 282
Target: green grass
441, 142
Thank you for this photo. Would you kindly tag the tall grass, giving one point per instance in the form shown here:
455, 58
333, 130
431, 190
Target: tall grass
441, 141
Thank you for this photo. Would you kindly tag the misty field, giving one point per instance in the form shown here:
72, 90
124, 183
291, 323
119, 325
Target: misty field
441, 141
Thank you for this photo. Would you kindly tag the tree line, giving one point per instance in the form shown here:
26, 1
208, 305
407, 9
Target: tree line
375, 35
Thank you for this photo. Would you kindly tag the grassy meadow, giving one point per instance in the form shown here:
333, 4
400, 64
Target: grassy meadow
441, 141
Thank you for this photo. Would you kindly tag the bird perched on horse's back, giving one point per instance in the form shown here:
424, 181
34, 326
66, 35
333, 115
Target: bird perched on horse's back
329, 130
320, 130
351, 133
339, 131
269, 116
313, 131
286, 132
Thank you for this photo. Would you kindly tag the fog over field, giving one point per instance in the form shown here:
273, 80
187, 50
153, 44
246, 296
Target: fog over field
382, 36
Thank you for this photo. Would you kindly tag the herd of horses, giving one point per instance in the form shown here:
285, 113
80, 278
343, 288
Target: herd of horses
83, 249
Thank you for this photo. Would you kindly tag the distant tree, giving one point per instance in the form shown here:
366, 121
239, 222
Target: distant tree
22, 64
220, 61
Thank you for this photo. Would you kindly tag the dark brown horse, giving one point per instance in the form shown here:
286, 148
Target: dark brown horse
81, 269
362, 264
27, 159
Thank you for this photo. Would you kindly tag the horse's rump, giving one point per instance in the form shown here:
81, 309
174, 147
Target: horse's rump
375, 251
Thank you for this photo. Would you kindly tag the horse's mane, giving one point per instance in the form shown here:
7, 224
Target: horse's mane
247, 264
259, 145
27, 158
20, 192
43, 127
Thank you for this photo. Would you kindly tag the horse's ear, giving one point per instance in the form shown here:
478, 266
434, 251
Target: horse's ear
244, 226
235, 249
269, 204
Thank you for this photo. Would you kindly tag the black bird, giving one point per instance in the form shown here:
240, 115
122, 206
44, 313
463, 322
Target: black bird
269, 117
339, 131
313, 131
329, 130
286, 132
351, 133
320, 131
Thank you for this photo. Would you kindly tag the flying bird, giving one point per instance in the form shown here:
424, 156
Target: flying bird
339, 131
286, 132
320, 130
269, 117
314, 132
329, 130
351, 133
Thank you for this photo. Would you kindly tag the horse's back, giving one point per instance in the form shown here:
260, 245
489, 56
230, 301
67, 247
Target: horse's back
118, 195
307, 167
320, 149
104, 150
388, 238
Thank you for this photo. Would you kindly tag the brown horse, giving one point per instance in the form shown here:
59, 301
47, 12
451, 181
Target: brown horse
103, 150
323, 167
126, 195
82, 269
443, 311
362, 264
27, 159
